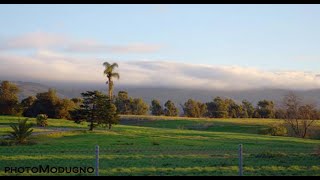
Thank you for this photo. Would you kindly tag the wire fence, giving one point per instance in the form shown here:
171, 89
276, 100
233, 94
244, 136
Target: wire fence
158, 161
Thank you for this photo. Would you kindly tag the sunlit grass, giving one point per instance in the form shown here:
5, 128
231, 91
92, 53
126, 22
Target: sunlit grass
161, 148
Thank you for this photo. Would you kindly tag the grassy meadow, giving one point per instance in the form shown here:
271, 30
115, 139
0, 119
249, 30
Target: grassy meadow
146, 145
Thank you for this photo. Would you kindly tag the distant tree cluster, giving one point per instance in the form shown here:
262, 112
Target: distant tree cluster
50, 104
129, 105
228, 108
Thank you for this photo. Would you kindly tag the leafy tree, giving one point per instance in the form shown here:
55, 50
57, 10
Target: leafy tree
218, 108
193, 108
156, 108
123, 103
76, 101
248, 109
139, 107
21, 132
234, 110
46, 103
109, 72
170, 109
266, 109
26, 105
8, 98
63, 108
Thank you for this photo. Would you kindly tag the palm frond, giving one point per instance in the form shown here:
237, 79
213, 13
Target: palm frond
106, 64
115, 75
114, 65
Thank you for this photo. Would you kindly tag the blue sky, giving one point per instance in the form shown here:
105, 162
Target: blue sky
266, 37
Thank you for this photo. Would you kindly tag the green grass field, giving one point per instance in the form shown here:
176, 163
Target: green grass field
144, 145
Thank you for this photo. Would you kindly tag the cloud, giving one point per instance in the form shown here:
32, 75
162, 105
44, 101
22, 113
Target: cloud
34, 40
95, 47
63, 43
55, 67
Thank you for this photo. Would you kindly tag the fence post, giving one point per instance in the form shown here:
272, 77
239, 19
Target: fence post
240, 160
97, 160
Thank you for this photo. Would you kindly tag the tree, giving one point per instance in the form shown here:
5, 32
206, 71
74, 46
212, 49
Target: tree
21, 132
193, 108
63, 108
156, 108
139, 107
8, 98
97, 109
248, 109
107, 112
265, 109
298, 116
123, 103
170, 109
234, 110
217, 108
109, 72
46, 103
26, 105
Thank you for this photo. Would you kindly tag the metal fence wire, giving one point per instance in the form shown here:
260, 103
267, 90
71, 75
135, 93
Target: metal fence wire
157, 161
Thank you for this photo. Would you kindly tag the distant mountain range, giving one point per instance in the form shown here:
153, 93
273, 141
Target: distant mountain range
178, 96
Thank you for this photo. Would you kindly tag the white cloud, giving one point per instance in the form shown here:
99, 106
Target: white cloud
50, 66
34, 40
43, 40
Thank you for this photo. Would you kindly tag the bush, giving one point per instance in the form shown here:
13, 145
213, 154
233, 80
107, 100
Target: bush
42, 120
275, 130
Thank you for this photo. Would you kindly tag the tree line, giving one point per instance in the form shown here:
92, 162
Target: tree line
54, 107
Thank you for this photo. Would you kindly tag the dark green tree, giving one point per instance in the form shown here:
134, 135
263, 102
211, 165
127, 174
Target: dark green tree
194, 108
248, 109
234, 110
107, 112
266, 109
156, 108
8, 98
26, 105
123, 103
217, 108
46, 103
139, 107
97, 109
170, 109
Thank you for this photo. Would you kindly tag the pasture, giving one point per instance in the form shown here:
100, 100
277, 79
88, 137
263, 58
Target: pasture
146, 145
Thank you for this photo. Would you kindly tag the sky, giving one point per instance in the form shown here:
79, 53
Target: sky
203, 46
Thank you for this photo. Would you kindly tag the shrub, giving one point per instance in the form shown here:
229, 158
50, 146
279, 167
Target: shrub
275, 130
21, 132
42, 120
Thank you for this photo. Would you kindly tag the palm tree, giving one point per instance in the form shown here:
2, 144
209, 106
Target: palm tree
109, 68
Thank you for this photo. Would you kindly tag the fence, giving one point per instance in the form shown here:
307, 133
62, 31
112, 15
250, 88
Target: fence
156, 161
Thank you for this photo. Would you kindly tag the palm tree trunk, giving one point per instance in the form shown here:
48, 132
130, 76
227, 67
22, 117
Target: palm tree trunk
110, 87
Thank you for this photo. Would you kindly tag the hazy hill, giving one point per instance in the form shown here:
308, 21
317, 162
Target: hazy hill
177, 95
